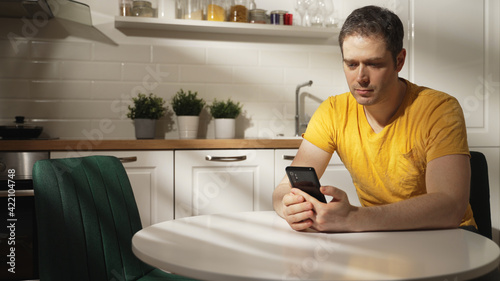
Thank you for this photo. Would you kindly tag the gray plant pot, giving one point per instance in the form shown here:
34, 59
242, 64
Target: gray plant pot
145, 128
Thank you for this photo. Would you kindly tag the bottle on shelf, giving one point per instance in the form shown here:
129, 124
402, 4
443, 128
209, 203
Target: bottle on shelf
125, 8
239, 11
143, 9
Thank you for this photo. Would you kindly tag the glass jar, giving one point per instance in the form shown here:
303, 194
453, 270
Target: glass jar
239, 11
143, 9
216, 10
258, 16
192, 9
125, 8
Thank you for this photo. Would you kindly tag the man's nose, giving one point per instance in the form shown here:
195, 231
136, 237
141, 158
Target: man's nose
362, 77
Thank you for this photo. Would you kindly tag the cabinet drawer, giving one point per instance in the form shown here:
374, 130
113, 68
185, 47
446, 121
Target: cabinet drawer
218, 181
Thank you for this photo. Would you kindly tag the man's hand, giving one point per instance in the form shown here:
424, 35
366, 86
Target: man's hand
297, 211
331, 217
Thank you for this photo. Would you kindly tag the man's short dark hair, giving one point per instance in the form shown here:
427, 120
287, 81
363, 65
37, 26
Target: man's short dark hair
375, 21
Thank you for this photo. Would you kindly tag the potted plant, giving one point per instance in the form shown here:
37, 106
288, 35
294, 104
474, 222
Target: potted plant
145, 111
225, 113
187, 106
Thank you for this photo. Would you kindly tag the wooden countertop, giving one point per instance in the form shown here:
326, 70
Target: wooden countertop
155, 144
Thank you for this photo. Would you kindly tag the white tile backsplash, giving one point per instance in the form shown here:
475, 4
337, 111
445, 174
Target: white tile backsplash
232, 56
293, 59
205, 74
69, 85
60, 51
122, 53
27, 69
259, 75
179, 55
73, 70
14, 89
14, 48
57, 89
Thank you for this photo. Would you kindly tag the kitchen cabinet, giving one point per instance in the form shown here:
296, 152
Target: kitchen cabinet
218, 181
151, 174
459, 54
335, 174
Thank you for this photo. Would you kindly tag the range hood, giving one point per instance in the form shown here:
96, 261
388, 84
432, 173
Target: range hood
44, 9
24, 8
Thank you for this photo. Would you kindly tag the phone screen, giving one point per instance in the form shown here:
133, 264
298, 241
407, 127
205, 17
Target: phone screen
305, 179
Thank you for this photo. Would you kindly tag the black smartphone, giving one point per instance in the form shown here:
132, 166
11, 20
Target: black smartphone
305, 179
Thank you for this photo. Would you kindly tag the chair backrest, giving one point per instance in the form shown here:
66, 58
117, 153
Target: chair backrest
480, 193
86, 215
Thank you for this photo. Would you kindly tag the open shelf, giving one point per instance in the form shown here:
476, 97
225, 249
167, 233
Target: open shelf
224, 27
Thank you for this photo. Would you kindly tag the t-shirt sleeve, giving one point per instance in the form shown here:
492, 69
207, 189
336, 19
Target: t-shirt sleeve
447, 133
320, 128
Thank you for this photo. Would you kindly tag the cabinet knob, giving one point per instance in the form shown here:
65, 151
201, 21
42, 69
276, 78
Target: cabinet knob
225, 158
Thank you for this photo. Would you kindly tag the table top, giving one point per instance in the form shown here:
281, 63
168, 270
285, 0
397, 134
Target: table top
261, 246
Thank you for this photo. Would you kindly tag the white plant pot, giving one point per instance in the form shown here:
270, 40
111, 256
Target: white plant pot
188, 126
225, 128
145, 128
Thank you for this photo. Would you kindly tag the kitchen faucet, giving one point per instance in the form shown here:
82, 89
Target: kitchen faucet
297, 105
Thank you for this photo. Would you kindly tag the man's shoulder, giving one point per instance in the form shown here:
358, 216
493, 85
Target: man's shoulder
425, 96
429, 94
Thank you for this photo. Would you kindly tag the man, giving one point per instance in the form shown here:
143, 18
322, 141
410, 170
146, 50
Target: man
405, 146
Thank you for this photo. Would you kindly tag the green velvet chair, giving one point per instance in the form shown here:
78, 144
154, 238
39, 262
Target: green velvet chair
480, 193
86, 215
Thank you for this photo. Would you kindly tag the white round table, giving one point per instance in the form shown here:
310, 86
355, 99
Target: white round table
261, 246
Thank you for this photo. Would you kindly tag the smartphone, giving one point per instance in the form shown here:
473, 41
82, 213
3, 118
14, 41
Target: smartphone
305, 179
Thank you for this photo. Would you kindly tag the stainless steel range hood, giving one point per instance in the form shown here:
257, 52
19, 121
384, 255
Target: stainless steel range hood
24, 8
42, 9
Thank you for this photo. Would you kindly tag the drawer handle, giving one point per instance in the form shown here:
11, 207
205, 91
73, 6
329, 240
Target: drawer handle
225, 158
288, 157
128, 159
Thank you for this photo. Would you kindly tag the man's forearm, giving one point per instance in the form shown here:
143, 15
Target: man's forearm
429, 211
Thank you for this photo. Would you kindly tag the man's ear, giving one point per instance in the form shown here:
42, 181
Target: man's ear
400, 60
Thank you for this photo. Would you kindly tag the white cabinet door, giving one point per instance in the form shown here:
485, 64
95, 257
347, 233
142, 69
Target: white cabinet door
152, 180
455, 49
218, 181
335, 174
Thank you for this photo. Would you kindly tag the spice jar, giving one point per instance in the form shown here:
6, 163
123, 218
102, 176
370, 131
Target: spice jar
143, 9
216, 10
239, 11
258, 16
277, 17
192, 9
125, 8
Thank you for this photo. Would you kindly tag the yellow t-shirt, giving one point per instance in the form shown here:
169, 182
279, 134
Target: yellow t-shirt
389, 166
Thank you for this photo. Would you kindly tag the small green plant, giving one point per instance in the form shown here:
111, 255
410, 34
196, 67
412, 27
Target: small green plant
187, 103
146, 107
225, 109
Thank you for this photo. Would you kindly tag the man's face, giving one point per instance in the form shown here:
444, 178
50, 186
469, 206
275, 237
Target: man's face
369, 69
